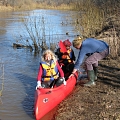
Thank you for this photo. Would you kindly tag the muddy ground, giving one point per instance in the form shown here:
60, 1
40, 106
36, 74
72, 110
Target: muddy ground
101, 102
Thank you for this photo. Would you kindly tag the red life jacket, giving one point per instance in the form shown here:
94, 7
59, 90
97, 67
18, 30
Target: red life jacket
67, 55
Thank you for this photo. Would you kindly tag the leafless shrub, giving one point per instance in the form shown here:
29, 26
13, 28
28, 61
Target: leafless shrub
34, 35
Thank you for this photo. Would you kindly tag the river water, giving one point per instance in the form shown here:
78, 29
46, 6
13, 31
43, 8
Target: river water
21, 65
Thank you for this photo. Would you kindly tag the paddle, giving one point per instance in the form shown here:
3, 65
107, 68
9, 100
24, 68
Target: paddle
62, 46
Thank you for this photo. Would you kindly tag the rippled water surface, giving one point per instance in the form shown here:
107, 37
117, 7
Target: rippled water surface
20, 65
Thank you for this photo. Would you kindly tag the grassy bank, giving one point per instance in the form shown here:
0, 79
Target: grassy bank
37, 6
4, 8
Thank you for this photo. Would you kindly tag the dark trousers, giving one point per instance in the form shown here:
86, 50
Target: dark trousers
67, 69
50, 84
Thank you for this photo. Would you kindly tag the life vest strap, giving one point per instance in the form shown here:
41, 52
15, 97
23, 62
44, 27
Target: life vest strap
49, 76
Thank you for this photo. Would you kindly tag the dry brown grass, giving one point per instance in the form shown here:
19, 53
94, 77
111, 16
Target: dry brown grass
4, 8
37, 6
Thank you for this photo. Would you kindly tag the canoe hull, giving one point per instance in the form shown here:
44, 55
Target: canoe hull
47, 99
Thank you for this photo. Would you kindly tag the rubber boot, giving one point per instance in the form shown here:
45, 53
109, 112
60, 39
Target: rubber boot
95, 72
91, 78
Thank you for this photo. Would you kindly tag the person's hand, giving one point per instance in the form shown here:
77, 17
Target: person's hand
73, 61
61, 64
71, 75
73, 72
64, 82
38, 85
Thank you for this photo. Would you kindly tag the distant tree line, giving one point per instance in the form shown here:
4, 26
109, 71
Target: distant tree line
78, 4
48, 2
15, 2
56, 2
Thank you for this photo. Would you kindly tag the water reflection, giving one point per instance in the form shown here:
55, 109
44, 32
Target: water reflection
21, 66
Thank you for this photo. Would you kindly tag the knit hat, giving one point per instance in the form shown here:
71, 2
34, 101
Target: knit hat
67, 43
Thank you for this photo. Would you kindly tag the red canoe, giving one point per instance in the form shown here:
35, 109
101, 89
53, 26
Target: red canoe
47, 99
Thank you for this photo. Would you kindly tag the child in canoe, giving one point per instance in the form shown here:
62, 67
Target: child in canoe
66, 57
50, 72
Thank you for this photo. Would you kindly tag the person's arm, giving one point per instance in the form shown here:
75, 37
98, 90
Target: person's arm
61, 73
60, 70
39, 78
79, 59
78, 63
39, 73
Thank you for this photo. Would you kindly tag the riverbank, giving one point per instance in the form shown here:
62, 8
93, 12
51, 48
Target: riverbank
35, 6
101, 102
4, 8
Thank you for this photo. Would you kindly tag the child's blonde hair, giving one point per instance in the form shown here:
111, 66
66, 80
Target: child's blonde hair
77, 41
51, 53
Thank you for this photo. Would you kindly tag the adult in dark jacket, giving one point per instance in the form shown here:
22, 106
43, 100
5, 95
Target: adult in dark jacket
95, 50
